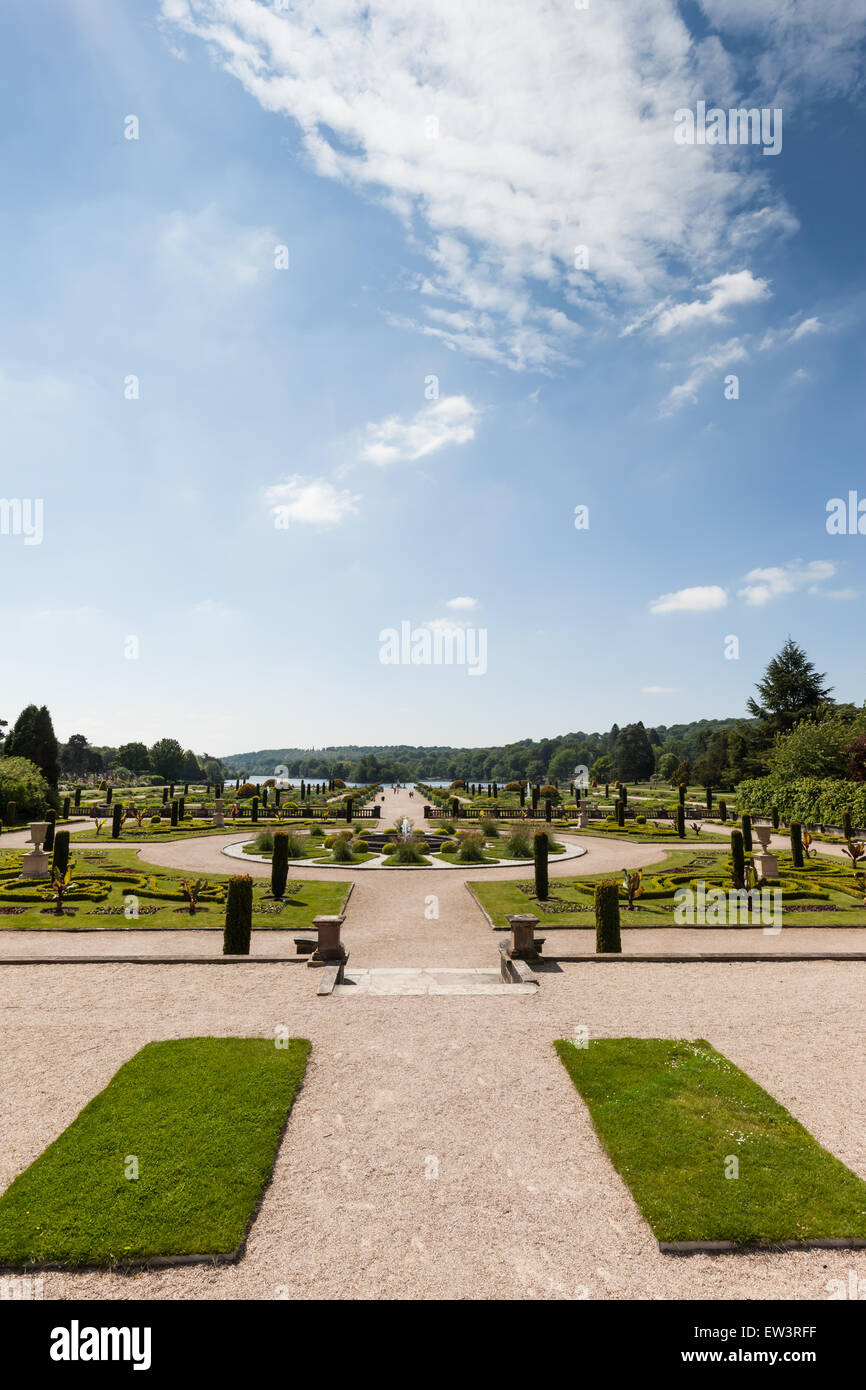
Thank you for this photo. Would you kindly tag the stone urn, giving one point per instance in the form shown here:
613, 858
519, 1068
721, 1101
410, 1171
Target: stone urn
35, 864
218, 817
766, 864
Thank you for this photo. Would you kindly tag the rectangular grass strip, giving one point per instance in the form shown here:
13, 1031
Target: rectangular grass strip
198, 1119
673, 1114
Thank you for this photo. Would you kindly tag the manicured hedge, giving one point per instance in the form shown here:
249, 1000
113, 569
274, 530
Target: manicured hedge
811, 800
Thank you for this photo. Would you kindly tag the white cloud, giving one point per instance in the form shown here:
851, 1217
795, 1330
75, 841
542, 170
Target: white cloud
462, 603
792, 332
777, 581
504, 136
805, 48
202, 248
706, 364
724, 293
450, 420
311, 501
701, 599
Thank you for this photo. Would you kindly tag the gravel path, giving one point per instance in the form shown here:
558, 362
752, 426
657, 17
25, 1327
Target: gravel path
526, 1205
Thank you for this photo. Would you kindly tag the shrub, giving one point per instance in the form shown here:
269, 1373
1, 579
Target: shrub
406, 853
549, 790
607, 935
847, 829
540, 847
640, 820
174, 813
681, 821
796, 844
248, 789
264, 842
23, 790
342, 852
239, 916
471, 850
747, 832
774, 815
810, 800
254, 813
447, 826
490, 829
518, 845
116, 821
294, 844
723, 811
448, 847
155, 820
359, 845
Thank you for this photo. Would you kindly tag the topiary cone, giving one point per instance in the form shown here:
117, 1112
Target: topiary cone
239, 916
279, 864
539, 851
607, 933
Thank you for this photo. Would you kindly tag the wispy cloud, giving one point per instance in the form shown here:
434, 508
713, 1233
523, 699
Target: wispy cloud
462, 603
508, 205
450, 420
659, 689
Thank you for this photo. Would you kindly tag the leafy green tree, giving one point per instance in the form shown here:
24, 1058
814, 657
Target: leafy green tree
166, 758
667, 765
816, 748
23, 783
602, 769
791, 690
134, 756
74, 758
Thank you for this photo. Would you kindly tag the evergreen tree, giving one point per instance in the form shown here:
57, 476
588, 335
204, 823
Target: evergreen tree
33, 737
791, 690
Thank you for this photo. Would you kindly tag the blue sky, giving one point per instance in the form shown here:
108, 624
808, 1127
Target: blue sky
430, 170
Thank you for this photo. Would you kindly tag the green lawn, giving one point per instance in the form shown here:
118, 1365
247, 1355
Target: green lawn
203, 1118
824, 893
672, 1114
107, 876
189, 828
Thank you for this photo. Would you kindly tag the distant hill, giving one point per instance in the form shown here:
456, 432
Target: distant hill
413, 762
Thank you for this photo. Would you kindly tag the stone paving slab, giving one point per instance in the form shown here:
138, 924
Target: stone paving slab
433, 981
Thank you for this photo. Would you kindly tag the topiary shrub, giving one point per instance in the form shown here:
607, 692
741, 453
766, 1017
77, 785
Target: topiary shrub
723, 811
640, 820
774, 816
607, 933
239, 916
747, 832
448, 847
738, 859
540, 848
116, 821
254, 813
60, 862
681, 821
174, 813
847, 830
796, 843
279, 864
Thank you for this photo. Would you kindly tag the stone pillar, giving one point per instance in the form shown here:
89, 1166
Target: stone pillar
218, 817
522, 945
330, 948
